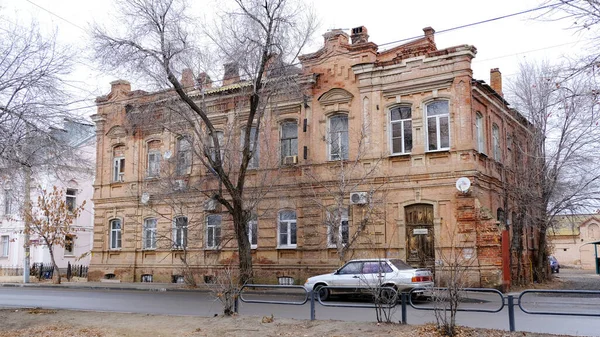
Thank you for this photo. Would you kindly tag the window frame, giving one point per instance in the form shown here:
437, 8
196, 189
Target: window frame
115, 234
71, 199
5, 242
289, 224
8, 198
342, 155
254, 161
253, 231
344, 223
496, 142
118, 169
149, 233
215, 229
438, 130
180, 233
69, 244
402, 122
292, 142
480, 132
183, 165
153, 166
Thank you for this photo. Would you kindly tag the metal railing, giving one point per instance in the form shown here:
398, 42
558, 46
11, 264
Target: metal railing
405, 300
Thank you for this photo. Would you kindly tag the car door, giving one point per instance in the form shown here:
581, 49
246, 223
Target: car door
348, 275
376, 273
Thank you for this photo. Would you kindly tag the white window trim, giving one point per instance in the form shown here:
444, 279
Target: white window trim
149, 231
118, 165
390, 137
329, 141
119, 232
288, 244
183, 229
437, 126
213, 245
251, 223
73, 196
479, 132
5, 246
150, 171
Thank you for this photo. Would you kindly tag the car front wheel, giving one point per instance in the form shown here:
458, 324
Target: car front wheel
322, 292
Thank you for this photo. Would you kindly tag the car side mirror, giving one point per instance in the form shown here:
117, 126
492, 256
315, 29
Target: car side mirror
337, 271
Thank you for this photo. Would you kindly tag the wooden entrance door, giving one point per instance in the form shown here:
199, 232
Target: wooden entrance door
420, 244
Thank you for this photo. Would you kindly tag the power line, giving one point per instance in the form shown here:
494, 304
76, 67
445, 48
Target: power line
58, 16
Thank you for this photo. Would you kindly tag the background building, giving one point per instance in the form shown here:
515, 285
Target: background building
77, 186
390, 132
571, 237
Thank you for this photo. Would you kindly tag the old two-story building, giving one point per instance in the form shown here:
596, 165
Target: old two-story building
433, 145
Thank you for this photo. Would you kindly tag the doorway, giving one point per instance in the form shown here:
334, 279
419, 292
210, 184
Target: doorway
420, 244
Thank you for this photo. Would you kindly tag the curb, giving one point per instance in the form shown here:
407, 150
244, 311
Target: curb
97, 287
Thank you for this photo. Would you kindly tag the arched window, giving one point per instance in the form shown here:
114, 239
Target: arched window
593, 231
115, 233
287, 229
479, 132
289, 141
149, 233
501, 216
184, 156
496, 142
180, 227
338, 137
438, 128
401, 129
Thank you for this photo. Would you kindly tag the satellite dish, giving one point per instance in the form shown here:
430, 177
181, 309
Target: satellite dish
145, 198
463, 184
167, 154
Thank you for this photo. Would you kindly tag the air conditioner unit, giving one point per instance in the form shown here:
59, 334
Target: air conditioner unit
358, 198
210, 204
290, 160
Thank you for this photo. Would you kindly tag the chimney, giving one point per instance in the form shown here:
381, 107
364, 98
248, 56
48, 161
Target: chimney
496, 81
335, 37
359, 35
232, 73
429, 33
120, 85
203, 81
187, 79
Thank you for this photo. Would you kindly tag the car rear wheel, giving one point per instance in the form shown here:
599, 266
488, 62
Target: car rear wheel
322, 292
388, 295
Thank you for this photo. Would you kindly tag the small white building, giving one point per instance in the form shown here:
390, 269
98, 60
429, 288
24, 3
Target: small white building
77, 185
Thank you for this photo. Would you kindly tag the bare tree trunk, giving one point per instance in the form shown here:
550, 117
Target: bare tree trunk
57, 280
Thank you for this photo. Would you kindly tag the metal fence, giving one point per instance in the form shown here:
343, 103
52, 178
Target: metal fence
405, 299
46, 270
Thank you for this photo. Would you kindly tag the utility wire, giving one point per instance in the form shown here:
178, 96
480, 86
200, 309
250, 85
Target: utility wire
58, 16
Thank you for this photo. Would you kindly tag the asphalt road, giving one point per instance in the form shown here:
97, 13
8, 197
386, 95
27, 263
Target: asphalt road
203, 304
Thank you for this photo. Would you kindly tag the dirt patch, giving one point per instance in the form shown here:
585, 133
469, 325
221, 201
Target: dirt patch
58, 323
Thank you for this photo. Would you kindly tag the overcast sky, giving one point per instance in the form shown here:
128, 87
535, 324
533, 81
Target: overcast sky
500, 44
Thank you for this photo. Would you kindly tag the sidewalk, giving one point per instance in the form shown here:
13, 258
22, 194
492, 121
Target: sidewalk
17, 281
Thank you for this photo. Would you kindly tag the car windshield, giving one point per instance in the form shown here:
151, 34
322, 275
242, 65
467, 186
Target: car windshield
400, 264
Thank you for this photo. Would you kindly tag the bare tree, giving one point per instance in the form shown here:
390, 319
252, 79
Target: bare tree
52, 220
159, 42
562, 174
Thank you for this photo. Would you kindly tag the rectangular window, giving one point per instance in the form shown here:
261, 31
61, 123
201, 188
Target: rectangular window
119, 169
180, 227
401, 130
438, 128
149, 238
289, 141
153, 163
68, 244
287, 229
496, 140
184, 156
5, 241
479, 133
115, 234
213, 231
8, 201
337, 229
213, 147
254, 148
338, 137
253, 232
71, 199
